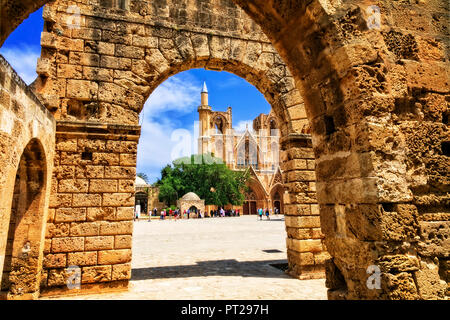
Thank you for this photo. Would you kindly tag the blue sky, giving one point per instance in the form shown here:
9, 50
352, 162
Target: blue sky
171, 107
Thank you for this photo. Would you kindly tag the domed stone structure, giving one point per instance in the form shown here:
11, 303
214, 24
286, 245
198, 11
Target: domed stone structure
192, 202
190, 196
139, 182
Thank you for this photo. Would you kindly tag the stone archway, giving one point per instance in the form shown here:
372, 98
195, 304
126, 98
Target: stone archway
96, 81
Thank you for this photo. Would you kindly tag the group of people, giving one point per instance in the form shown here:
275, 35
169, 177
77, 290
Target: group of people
224, 213
220, 212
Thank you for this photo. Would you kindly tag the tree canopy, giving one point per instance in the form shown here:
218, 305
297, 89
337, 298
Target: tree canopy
206, 176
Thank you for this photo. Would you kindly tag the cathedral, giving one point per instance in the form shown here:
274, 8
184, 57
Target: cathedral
255, 149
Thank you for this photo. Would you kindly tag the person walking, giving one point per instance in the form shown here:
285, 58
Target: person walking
260, 213
267, 214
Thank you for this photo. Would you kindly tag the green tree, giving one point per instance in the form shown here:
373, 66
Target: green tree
205, 175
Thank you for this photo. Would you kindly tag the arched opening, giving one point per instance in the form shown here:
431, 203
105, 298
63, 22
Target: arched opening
23, 254
141, 200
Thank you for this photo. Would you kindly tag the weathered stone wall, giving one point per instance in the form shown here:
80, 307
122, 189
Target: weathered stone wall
377, 100
90, 221
24, 123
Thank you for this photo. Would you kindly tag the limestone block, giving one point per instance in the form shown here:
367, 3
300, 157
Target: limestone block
311, 245
114, 172
101, 213
70, 215
87, 200
69, 44
106, 159
129, 52
82, 89
126, 186
72, 244
201, 46
102, 185
145, 42
73, 185
96, 274
122, 146
84, 59
115, 62
114, 256
89, 171
116, 228
84, 229
125, 213
121, 271
97, 74
58, 260
66, 145
87, 33
82, 258
122, 242
118, 199
128, 159
57, 230
98, 145
303, 221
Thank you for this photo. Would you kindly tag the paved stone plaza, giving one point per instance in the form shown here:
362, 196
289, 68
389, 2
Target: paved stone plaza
218, 258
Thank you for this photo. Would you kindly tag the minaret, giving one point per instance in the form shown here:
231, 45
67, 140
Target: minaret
204, 114
204, 95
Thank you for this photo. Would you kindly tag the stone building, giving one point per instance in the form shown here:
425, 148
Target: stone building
256, 149
370, 80
147, 196
192, 202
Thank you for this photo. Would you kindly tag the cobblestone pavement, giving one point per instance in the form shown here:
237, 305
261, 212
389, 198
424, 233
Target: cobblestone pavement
218, 258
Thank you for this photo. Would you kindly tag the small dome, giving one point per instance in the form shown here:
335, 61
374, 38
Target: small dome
139, 182
190, 196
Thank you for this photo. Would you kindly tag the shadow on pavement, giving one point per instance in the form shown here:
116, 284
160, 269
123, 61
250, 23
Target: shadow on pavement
213, 268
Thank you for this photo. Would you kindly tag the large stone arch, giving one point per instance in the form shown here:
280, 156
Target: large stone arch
95, 80
361, 87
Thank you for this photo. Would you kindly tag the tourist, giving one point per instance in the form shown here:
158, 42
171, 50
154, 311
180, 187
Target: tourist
188, 211
267, 214
260, 213
155, 212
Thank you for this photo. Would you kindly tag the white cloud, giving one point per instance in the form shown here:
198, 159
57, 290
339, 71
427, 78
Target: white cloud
24, 60
180, 93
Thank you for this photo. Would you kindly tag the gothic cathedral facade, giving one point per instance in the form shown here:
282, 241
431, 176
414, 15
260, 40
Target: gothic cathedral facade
255, 149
